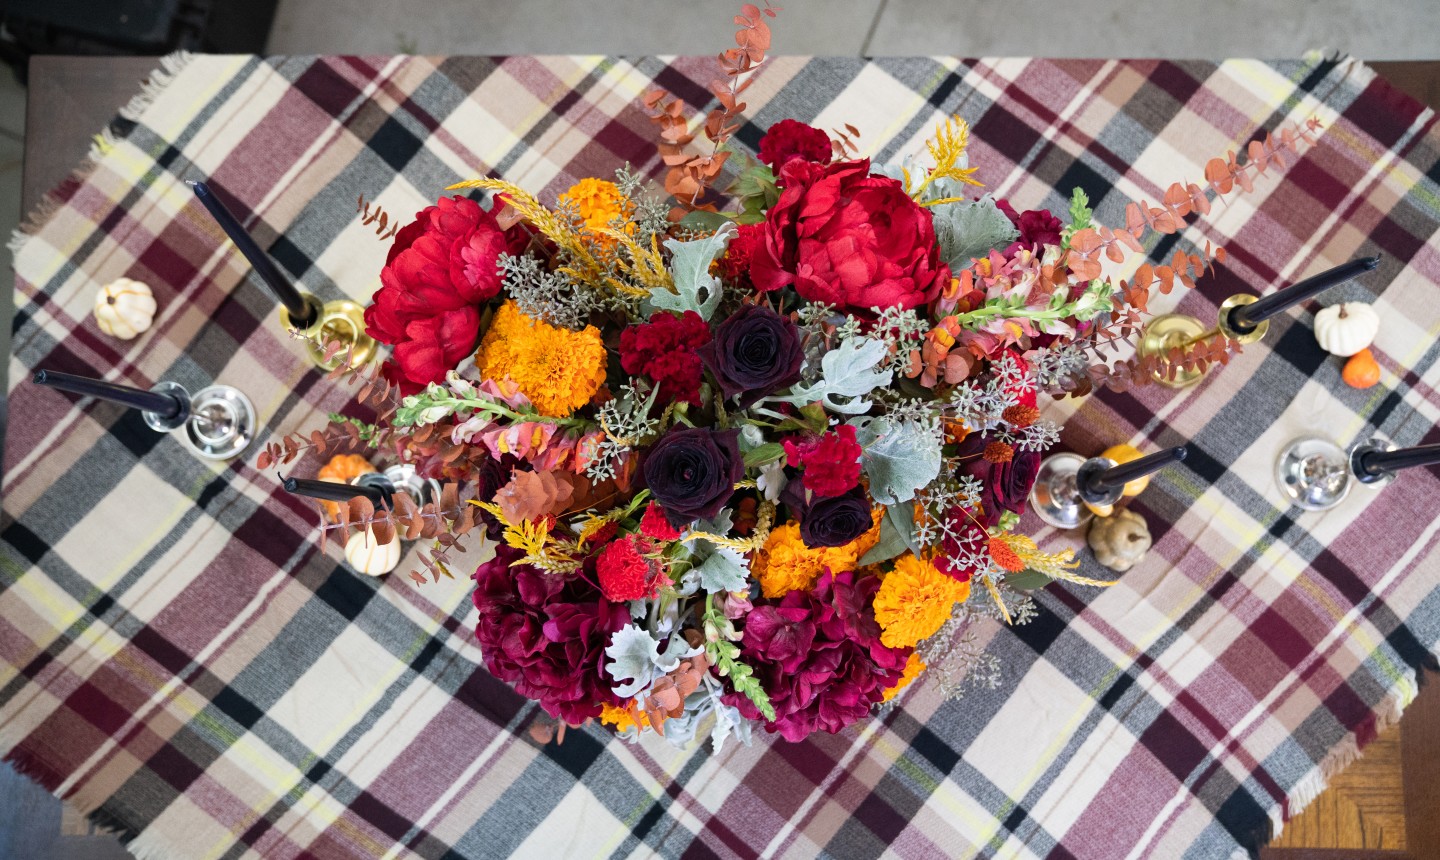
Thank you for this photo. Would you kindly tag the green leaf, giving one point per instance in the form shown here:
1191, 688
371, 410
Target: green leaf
757, 181
848, 372
725, 570
762, 454
695, 288
899, 457
897, 534
971, 229
702, 220
1027, 580
812, 419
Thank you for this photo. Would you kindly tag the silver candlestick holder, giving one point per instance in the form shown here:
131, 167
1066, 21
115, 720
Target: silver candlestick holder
219, 421
1316, 474
1068, 485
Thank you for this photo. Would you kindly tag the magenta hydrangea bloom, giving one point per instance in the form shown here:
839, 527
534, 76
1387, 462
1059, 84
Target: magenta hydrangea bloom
545, 635
818, 655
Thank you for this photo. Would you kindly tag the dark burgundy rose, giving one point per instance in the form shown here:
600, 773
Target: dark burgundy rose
692, 472
831, 521
1006, 485
754, 353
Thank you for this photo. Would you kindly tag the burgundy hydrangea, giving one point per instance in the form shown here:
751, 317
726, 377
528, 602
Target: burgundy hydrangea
546, 635
1037, 227
789, 139
818, 656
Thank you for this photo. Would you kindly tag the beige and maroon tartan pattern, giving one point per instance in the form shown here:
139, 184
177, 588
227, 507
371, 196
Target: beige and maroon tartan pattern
180, 660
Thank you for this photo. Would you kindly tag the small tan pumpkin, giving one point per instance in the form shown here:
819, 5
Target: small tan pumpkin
342, 469
124, 308
1346, 328
366, 556
1119, 541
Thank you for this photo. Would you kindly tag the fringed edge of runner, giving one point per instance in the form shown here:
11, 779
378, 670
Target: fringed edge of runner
1386, 716
150, 89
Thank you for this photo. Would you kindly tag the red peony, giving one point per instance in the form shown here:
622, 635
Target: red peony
831, 462
624, 572
735, 265
442, 267
664, 350
546, 634
846, 238
817, 655
789, 139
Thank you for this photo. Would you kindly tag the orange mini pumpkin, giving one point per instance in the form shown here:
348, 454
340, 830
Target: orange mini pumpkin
341, 469
1361, 371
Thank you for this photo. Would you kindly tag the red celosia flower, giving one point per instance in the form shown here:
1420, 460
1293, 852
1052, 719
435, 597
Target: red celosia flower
623, 572
654, 525
831, 462
789, 139
664, 350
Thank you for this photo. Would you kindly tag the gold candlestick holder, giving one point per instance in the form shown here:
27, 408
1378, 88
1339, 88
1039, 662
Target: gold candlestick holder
338, 320
1168, 331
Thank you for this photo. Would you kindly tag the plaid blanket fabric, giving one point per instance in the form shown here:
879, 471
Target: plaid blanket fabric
178, 659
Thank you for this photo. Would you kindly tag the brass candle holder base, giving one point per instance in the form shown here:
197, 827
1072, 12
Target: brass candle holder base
1166, 332
339, 320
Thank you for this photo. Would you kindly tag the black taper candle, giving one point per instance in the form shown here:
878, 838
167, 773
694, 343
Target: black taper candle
334, 492
1116, 477
164, 405
1374, 463
1244, 318
265, 267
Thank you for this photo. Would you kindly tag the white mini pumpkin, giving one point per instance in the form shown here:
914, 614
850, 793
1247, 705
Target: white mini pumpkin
371, 558
1346, 328
124, 308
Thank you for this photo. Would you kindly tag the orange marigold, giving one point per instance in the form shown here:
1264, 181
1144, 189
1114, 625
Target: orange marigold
558, 369
786, 564
625, 718
600, 204
913, 667
914, 601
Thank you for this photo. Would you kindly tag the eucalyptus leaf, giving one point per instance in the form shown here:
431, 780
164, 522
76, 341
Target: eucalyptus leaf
695, 288
847, 371
897, 535
970, 229
899, 457
1027, 580
700, 219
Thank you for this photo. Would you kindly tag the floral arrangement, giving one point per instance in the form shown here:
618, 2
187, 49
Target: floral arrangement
752, 466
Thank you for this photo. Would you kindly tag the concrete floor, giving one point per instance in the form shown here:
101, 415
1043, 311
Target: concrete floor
32, 824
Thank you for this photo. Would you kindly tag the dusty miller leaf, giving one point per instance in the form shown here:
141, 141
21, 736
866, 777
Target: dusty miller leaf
695, 288
636, 655
969, 229
899, 457
846, 371
724, 570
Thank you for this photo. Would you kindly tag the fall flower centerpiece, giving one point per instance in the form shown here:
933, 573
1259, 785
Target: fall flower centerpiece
745, 460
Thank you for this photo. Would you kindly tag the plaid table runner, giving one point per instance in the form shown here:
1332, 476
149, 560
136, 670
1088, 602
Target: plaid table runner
181, 661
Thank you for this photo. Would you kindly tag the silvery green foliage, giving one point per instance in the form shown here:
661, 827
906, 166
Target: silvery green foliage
847, 372
652, 212
956, 660
715, 569
635, 655
970, 229
899, 457
695, 288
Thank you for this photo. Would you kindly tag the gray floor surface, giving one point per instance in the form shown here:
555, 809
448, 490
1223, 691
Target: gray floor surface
35, 825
